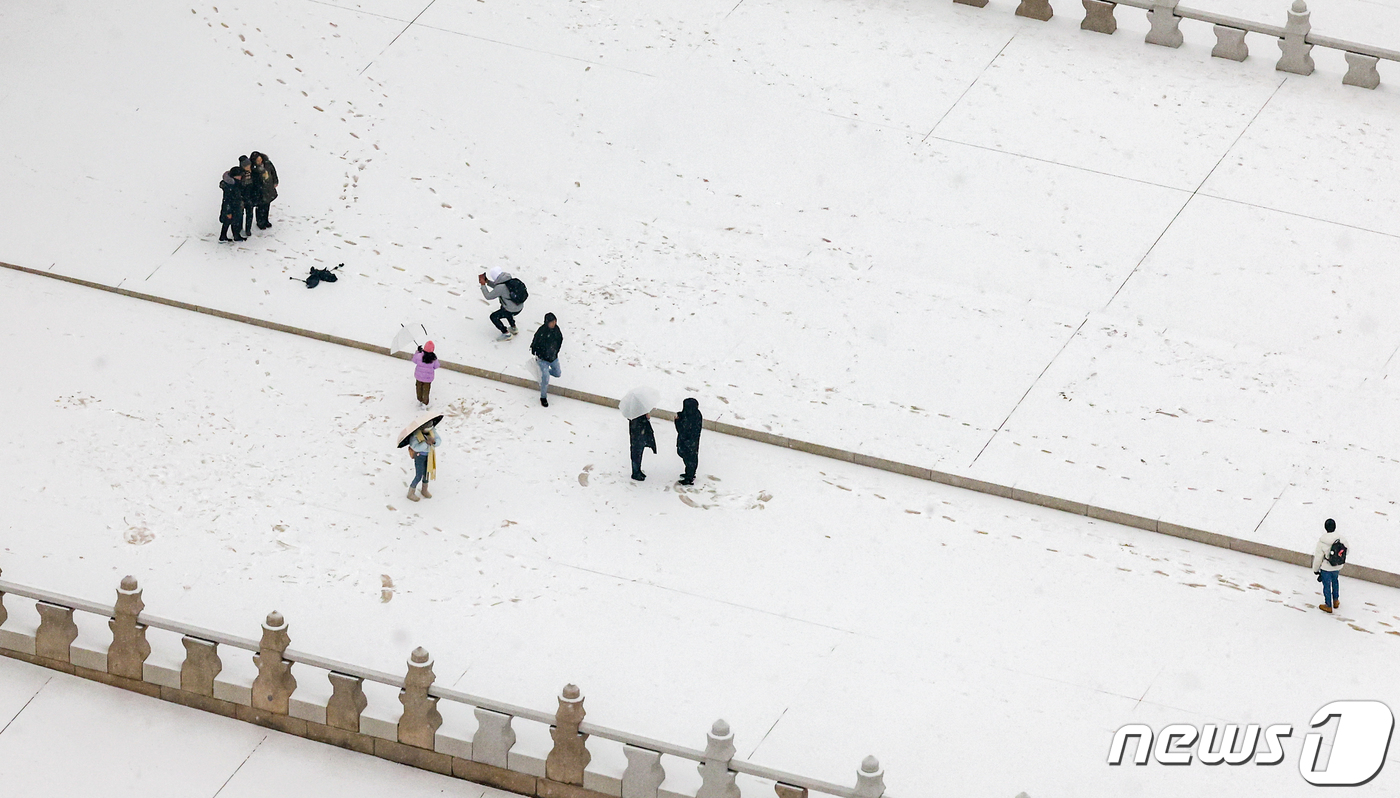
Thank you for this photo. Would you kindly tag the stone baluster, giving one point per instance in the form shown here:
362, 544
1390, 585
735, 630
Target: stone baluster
56, 632
1293, 43
129, 650
347, 702
272, 689
644, 774
4, 616
789, 791
1166, 25
870, 779
569, 756
1098, 17
420, 720
716, 779
976, 3
1229, 43
201, 665
1361, 71
493, 739
1035, 9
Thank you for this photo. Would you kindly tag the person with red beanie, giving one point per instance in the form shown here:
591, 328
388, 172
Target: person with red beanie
425, 363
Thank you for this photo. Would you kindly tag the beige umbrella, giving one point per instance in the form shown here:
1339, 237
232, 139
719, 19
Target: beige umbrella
425, 420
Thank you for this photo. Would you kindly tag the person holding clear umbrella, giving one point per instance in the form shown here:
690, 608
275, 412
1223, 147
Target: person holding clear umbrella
636, 405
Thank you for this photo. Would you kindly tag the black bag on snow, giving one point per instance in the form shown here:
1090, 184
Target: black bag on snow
319, 276
516, 288
1338, 554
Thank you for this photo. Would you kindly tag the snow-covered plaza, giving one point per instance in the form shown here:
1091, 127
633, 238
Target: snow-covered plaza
1087, 267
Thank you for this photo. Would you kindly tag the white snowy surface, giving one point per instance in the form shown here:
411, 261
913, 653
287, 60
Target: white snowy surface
873, 225
61, 735
1079, 264
827, 611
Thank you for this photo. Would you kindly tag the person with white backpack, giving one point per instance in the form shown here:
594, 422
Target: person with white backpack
1328, 559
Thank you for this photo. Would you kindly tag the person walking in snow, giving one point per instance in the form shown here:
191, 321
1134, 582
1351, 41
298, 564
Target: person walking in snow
1328, 558
231, 212
422, 446
639, 429
264, 187
425, 364
497, 283
689, 423
545, 348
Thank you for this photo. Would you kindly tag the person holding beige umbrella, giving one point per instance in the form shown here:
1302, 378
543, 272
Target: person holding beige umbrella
422, 439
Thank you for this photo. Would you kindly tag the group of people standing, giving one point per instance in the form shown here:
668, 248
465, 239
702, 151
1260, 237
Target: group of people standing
510, 291
248, 191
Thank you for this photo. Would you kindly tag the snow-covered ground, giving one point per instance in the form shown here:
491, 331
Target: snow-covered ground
61, 735
1086, 266
826, 610
1124, 274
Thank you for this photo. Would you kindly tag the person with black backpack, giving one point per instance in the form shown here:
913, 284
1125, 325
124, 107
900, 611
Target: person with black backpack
1328, 559
497, 283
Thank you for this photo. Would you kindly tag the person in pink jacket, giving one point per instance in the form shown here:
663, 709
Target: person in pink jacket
425, 363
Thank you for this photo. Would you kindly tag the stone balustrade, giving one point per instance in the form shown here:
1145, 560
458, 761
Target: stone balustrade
269, 694
1295, 38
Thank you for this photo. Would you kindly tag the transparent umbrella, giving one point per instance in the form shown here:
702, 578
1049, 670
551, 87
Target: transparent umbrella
639, 401
406, 339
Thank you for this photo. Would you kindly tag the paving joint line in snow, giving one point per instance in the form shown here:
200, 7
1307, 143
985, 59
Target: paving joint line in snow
968, 89
1034, 382
535, 50
1247, 203
1055, 163
400, 33
1108, 515
240, 766
357, 10
1194, 192
26, 705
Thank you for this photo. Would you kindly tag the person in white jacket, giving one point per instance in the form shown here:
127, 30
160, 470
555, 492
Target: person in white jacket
1328, 558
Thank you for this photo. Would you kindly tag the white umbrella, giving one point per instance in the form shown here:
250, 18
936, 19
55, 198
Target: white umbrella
406, 340
639, 401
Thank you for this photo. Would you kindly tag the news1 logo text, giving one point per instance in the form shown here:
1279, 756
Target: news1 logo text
1360, 742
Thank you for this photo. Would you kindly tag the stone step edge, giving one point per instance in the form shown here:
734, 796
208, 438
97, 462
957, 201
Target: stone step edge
1380, 577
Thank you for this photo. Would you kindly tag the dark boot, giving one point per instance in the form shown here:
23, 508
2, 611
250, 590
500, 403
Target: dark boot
639, 476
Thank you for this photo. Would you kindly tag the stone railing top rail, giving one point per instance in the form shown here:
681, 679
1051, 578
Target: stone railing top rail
870, 767
1295, 37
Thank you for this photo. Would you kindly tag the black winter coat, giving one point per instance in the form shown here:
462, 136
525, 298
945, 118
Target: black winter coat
689, 423
232, 206
264, 182
642, 435
546, 343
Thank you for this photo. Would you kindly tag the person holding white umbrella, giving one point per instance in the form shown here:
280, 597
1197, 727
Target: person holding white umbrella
636, 405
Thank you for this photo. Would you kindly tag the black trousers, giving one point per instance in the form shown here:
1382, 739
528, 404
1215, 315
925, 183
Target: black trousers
503, 314
229, 222
692, 462
637, 460
247, 219
260, 211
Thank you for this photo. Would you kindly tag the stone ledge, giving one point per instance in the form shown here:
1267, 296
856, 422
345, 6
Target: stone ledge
1375, 575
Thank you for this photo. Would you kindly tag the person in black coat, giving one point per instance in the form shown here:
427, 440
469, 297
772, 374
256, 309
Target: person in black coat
643, 437
545, 348
689, 422
231, 212
264, 187
250, 195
